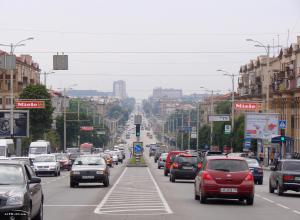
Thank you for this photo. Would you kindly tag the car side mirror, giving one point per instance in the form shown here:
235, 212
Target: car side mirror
34, 180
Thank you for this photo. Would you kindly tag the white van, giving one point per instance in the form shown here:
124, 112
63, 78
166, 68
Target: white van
39, 147
7, 147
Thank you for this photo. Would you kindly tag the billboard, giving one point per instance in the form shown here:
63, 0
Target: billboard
21, 123
86, 128
261, 125
28, 104
247, 106
218, 118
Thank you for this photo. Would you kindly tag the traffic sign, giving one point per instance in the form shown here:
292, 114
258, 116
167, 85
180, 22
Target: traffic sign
282, 124
137, 147
227, 129
194, 135
218, 118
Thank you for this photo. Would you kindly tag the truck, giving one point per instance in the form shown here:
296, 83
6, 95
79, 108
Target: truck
7, 147
39, 147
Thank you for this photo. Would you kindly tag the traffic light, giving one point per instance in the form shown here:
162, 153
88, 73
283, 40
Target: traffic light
282, 138
137, 130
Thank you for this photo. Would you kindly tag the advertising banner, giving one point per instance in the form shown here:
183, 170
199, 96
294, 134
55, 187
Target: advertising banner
261, 125
218, 118
247, 106
28, 104
21, 123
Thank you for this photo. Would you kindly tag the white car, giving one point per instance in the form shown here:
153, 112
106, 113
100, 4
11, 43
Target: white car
46, 164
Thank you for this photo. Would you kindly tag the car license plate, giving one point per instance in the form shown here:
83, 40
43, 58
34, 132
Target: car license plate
88, 177
297, 177
228, 190
187, 168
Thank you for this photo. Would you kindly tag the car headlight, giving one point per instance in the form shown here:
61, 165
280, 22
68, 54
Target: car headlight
15, 199
52, 167
100, 172
75, 173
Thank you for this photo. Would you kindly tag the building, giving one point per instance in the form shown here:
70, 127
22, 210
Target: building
159, 93
27, 72
283, 85
57, 101
119, 89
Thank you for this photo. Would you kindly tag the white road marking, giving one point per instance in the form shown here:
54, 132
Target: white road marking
45, 205
135, 210
297, 212
271, 201
282, 206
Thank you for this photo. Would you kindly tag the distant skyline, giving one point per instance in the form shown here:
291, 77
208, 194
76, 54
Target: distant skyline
147, 43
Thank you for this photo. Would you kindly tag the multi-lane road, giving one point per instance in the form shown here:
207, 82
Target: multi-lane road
145, 193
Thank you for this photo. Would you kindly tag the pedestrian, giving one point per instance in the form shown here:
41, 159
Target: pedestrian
272, 157
261, 158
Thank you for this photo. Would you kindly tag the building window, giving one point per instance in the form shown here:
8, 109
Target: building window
0, 100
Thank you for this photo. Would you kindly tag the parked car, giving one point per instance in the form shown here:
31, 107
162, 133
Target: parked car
46, 164
256, 169
224, 177
89, 169
21, 191
285, 176
162, 160
185, 166
169, 160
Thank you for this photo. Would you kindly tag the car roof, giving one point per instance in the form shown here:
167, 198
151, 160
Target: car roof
12, 162
288, 160
224, 157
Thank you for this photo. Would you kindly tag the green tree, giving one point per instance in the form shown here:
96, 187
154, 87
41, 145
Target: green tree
40, 119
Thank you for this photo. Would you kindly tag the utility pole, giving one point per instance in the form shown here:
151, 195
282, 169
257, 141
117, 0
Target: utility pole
181, 130
45, 77
211, 112
198, 112
65, 122
78, 118
189, 137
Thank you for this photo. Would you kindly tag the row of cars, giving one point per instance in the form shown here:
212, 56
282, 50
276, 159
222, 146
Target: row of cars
227, 176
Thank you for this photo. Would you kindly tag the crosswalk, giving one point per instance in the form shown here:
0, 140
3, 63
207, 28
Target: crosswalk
134, 193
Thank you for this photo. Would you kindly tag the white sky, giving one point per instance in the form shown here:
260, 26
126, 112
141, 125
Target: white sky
147, 26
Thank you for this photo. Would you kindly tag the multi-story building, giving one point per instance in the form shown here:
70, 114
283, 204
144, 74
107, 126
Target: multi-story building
284, 87
57, 101
119, 89
159, 93
27, 72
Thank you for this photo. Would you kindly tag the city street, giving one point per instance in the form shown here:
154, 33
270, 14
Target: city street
144, 193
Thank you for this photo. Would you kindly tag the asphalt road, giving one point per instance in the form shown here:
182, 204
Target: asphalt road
144, 193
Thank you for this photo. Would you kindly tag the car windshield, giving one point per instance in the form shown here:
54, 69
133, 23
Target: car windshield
291, 165
164, 155
190, 160
252, 162
38, 150
11, 175
45, 159
89, 161
61, 157
2, 151
228, 165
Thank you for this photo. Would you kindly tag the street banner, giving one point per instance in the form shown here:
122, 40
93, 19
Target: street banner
29, 104
247, 106
21, 123
86, 128
261, 125
218, 118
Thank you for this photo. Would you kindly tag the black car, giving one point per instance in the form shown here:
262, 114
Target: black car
21, 195
185, 166
89, 169
256, 170
285, 176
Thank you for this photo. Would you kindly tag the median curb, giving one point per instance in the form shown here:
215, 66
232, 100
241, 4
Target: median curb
136, 165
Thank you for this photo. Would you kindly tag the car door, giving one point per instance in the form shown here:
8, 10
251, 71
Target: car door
35, 191
199, 176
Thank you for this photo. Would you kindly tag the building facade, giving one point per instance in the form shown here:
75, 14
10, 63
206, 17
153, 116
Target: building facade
119, 89
27, 72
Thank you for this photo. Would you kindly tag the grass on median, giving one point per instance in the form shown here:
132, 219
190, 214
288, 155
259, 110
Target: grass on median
132, 161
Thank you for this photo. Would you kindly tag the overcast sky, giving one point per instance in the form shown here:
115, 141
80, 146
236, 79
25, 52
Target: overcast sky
211, 34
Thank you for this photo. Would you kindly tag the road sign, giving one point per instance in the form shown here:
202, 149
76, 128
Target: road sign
247, 144
8, 62
194, 135
100, 132
137, 147
282, 124
28, 104
60, 62
218, 118
227, 129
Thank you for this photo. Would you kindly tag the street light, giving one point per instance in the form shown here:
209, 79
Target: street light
225, 73
12, 49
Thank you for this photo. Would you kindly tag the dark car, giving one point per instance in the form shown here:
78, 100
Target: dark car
226, 178
89, 169
285, 176
185, 166
21, 194
257, 171
169, 160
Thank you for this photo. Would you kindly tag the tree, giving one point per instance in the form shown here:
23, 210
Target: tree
40, 119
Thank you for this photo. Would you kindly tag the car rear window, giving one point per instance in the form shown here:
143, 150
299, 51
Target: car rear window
228, 165
291, 165
191, 160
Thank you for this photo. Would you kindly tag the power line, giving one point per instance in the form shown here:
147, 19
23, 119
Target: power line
138, 75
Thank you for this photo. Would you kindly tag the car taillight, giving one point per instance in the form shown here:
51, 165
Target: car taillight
249, 177
175, 165
288, 177
206, 176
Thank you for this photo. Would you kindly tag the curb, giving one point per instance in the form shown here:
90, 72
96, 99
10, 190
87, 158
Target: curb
135, 165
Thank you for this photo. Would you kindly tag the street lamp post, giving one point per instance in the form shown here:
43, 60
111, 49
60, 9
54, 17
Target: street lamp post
12, 49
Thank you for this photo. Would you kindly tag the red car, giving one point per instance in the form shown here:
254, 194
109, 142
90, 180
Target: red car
224, 177
169, 160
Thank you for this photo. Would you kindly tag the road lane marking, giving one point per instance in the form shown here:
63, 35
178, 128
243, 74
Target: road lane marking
135, 210
46, 205
128, 207
271, 201
282, 206
297, 212
154, 203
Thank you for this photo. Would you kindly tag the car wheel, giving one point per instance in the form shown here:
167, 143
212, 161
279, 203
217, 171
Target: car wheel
72, 184
55, 173
172, 178
279, 190
196, 197
155, 161
165, 172
158, 167
260, 182
59, 173
117, 163
106, 182
40, 214
241, 199
271, 189
250, 200
202, 198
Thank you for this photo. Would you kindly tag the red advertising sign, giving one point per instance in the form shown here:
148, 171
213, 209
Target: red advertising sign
246, 106
20, 104
86, 128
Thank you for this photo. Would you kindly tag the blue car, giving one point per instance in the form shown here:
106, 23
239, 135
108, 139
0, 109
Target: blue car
256, 170
162, 160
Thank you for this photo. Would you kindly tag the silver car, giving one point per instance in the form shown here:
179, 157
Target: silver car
162, 160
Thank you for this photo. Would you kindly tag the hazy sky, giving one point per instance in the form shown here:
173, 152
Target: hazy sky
212, 34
